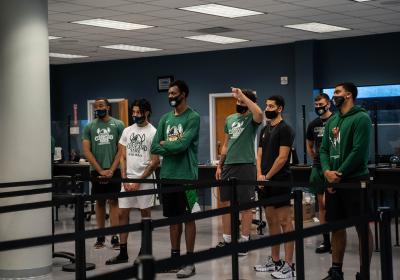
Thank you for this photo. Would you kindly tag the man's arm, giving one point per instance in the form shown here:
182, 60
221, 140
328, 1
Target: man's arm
156, 148
221, 162
117, 158
182, 144
279, 162
310, 149
253, 107
360, 147
86, 146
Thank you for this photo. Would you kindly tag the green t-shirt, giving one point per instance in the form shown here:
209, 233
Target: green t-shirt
181, 136
242, 132
104, 137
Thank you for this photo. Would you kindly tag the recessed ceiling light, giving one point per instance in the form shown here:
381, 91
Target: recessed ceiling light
54, 37
361, 0
317, 27
99, 22
64, 55
216, 39
221, 10
130, 48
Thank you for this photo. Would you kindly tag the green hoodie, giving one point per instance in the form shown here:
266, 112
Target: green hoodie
345, 145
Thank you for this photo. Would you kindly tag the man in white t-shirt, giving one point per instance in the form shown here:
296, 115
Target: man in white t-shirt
136, 163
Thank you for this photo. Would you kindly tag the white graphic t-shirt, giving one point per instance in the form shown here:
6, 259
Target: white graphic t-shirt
137, 141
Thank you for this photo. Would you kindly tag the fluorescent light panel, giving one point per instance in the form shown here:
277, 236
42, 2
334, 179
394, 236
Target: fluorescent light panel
362, 0
216, 39
131, 48
317, 27
65, 55
54, 37
99, 22
221, 10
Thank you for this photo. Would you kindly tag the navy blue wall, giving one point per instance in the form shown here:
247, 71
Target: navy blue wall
212, 72
369, 60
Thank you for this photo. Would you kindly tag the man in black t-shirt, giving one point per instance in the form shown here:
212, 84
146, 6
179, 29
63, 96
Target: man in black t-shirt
315, 132
276, 140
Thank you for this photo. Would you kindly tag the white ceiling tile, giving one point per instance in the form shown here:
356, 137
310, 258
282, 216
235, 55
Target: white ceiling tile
136, 8
67, 7
175, 3
66, 17
169, 13
189, 26
101, 3
99, 13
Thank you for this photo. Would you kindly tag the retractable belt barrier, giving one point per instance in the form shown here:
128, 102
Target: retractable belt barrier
148, 266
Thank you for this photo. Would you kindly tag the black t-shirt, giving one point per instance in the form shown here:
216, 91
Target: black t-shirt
271, 139
315, 132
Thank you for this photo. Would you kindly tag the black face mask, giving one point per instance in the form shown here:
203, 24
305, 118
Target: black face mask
175, 101
271, 114
101, 113
241, 109
338, 101
321, 110
138, 120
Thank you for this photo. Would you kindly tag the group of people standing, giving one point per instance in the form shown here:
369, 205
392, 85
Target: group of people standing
338, 144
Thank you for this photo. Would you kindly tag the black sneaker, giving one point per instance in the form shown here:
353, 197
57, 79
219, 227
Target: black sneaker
222, 244
115, 242
243, 252
99, 242
323, 248
334, 274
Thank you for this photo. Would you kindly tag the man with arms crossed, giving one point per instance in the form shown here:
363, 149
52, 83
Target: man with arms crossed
136, 163
100, 147
177, 140
276, 140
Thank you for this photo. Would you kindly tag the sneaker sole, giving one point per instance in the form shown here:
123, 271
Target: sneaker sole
180, 276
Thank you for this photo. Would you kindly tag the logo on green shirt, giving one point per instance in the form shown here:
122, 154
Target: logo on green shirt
103, 136
236, 129
174, 132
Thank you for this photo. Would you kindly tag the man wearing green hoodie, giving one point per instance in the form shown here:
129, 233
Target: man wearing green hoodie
177, 140
344, 156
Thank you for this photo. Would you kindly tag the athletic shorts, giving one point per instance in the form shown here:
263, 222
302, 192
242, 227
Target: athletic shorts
174, 204
99, 188
245, 193
270, 192
318, 182
139, 202
345, 203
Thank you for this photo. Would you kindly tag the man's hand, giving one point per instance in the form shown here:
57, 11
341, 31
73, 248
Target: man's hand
135, 186
332, 176
261, 177
162, 143
330, 190
237, 93
218, 173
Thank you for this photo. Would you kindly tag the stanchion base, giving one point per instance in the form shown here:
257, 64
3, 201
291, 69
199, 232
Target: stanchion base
72, 267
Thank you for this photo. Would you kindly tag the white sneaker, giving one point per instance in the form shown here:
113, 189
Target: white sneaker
186, 272
268, 266
284, 272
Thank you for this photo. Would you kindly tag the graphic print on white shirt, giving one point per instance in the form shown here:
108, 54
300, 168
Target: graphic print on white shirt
137, 141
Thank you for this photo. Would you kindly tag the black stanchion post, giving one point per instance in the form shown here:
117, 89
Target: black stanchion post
146, 266
375, 205
396, 217
364, 232
234, 227
386, 243
298, 222
80, 268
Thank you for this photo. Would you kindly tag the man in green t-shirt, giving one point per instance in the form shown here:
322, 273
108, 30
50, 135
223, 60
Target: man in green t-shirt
238, 159
177, 140
100, 147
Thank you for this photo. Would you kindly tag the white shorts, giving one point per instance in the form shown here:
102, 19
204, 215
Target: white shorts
140, 202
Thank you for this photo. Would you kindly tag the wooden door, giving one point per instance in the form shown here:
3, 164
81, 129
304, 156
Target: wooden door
224, 106
123, 112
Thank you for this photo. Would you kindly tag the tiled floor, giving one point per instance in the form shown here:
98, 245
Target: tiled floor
208, 232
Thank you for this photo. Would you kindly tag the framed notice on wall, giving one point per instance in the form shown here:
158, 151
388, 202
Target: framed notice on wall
163, 83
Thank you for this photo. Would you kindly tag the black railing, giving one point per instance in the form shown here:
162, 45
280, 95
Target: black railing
148, 266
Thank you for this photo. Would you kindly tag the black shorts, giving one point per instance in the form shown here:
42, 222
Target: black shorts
99, 188
345, 203
175, 203
245, 193
269, 192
